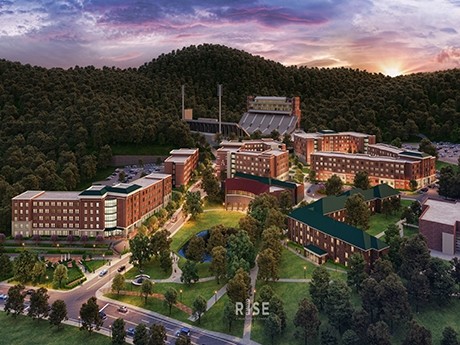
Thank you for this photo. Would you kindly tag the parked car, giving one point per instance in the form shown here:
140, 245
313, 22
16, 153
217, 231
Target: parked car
3, 297
103, 315
30, 292
184, 331
424, 190
122, 309
130, 332
121, 268
103, 272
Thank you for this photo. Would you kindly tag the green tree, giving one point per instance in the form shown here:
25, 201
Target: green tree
199, 307
271, 239
357, 212
427, 147
328, 337
396, 142
183, 340
360, 321
285, 201
140, 250
229, 314
146, 289
6, 266
369, 297
361, 180
334, 185
141, 336
38, 271
413, 185
319, 286
218, 265
449, 336
118, 332
276, 306
272, 326
160, 242
417, 335
357, 271
239, 246
238, 287
15, 302
250, 225
211, 185
217, 237
23, 266
157, 334
118, 283
338, 306
193, 204
165, 261
60, 274
382, 269
415, 256
39, 307
441, 283
418, 289
170, 298
379, 334
393, 300
58, 313
268, 265
312, 176
196, 249
189, 273
89, 315
350, 337
306, 320
265, 294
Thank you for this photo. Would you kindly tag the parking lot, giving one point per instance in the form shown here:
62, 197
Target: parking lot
132, 173
447, 152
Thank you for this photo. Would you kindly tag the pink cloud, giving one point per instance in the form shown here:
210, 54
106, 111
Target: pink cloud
449, 54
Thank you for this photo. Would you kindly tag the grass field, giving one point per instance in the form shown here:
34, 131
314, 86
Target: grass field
189, 293
440, 165
204, 221
292, 266
151, 268
25, 331
93, 265
410, 231
144, 149
379, 223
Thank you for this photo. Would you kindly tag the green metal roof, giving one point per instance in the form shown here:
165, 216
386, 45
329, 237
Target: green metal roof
266, 180
315, 249
415, 154
342, 231
123, 190
334, 203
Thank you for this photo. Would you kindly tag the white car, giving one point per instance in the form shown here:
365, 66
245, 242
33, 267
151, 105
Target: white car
103, 272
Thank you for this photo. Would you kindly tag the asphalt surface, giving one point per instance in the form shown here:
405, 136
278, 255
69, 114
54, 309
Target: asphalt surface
76, 297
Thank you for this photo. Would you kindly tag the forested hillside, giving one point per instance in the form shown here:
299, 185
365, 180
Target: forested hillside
57, 125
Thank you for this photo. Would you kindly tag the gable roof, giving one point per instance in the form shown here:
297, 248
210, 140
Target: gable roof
335, 203
334, 228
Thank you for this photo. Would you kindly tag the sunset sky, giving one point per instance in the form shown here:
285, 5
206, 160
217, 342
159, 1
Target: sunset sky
387, 36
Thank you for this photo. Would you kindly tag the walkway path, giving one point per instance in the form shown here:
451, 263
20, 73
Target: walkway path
293, 280
213, 300
248, 316
304, 258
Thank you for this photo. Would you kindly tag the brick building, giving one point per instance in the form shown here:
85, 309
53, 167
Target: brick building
440, 224
180, 165
98, 210
243, 188
320, 228
352, 142
264, 157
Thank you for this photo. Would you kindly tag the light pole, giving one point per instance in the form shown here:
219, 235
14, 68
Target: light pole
110, 328
215, 296
79, 321
304, 272
180, 291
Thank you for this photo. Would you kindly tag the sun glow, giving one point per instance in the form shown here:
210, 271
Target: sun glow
392, 71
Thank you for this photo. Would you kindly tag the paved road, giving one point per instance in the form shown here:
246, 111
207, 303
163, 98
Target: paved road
76, 297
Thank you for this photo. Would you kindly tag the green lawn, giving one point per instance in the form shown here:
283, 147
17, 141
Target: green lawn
144, 149
292, 266
440, 165
151, 268
406, 203
379, 223
212, 205
410, 231
204, 221
25, 331
93, 265
189, 293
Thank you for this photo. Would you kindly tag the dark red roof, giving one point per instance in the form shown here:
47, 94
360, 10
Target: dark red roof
246, 185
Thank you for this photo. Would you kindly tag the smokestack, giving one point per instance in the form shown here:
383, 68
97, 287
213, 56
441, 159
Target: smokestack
183, 102
219, 94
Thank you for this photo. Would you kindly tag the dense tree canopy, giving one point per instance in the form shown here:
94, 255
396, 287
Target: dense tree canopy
58, 126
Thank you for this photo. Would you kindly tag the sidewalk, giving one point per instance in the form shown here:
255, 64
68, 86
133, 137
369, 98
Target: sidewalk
399, 223
248, 316
213, 300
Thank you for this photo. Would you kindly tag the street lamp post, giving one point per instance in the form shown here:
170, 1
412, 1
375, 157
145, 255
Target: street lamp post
110, 328
79, 321
304, 272
180, 291
215, 296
